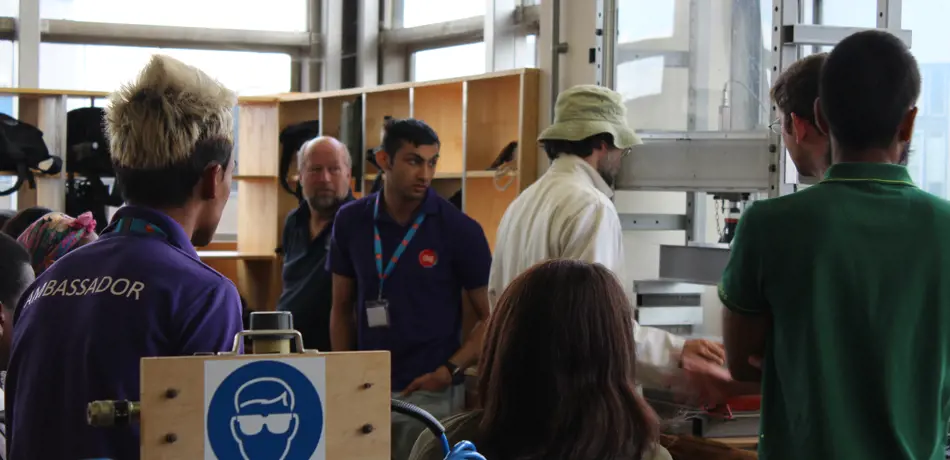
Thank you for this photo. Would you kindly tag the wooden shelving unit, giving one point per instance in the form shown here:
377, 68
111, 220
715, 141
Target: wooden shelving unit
475, 118
46, 109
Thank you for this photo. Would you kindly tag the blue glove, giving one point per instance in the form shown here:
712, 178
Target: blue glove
464, 450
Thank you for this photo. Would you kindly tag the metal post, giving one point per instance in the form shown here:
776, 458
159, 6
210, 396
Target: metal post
556, 50
606, 42
698, 100
394, 62
500, 36
784, 12
367, 46
332, 22
28, 44
305, 72
889, 14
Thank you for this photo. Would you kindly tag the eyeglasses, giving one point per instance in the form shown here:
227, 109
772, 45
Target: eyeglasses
776, 126
252, 424
626, 152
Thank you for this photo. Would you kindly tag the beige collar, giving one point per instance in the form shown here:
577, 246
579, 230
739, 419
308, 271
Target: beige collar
573, 164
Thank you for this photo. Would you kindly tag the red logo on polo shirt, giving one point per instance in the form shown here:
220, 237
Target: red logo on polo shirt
428, 258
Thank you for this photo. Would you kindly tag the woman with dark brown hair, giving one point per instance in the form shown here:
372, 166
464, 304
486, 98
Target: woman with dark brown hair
557, 375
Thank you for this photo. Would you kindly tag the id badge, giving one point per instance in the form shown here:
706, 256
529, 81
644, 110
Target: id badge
377, 313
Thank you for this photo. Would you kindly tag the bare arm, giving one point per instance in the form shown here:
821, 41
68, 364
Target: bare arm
745, 337
746, 318
342, 314
469, 353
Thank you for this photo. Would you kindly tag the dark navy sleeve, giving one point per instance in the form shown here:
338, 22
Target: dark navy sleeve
338, 259
284, 237
472, 258
212, 322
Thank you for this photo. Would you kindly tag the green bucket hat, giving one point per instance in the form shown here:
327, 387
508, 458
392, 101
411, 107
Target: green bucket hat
585, 110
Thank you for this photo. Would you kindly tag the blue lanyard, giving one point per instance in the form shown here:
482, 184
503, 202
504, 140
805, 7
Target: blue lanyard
378, 246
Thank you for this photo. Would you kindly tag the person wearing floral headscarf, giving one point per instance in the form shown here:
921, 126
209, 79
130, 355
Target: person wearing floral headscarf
54, 235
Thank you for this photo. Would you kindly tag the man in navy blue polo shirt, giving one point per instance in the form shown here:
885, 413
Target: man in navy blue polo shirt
325, 165
401, 259
140, 290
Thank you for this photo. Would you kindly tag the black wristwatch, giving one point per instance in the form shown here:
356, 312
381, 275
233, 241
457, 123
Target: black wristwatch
453, 369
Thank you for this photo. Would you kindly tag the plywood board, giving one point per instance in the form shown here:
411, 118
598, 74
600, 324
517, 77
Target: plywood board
349, 391
258, 139
528, 147
440, 106
487, 205
492, 119
379, 105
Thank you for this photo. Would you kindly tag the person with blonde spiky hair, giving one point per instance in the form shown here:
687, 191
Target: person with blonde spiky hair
140, 290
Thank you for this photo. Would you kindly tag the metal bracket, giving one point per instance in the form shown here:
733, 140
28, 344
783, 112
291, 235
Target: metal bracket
808, 34
698, 162
656, 222
697, 263
605, 42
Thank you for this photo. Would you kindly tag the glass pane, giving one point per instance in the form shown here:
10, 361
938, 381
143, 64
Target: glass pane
9, 201
929, 146
9, 8
6, 75
423, 12
104, 68
852, 13
532, 46
708, 73
6, 102
282, 15
448, 62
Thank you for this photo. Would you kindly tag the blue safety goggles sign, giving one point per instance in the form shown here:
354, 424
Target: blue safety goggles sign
265, 409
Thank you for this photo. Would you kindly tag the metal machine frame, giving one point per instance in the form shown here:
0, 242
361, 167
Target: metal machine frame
717, 161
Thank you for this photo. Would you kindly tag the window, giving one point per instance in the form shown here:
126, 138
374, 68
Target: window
930, 35
935, 154
282, 15
424, 12
6, 75
104, 68
9, 7
6, 105
914, 164
9, 201
853, 13
531, 45
448, 62
678, 73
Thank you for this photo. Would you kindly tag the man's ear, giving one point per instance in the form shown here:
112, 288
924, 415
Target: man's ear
211, 177
383, 159
799, 127
906, 130
820, 122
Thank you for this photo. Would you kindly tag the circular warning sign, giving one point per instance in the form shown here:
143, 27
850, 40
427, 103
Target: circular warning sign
428, 258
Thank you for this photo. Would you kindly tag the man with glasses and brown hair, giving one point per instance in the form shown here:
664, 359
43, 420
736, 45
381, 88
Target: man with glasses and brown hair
568, 214
794, 94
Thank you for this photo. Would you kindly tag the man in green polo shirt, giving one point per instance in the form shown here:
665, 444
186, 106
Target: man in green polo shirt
844, 287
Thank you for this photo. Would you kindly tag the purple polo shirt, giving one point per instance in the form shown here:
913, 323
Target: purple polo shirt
449, 253
84, 325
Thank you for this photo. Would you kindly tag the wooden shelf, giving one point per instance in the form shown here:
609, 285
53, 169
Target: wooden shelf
475, 118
